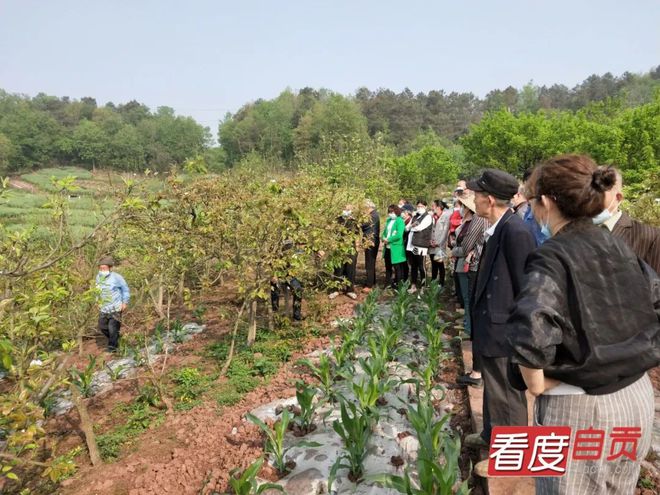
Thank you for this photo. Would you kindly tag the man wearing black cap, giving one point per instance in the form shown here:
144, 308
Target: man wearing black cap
508, 242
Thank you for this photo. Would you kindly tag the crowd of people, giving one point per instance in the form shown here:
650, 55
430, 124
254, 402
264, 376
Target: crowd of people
561, 297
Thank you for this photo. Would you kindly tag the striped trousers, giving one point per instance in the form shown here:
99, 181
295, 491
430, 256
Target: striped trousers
632, 406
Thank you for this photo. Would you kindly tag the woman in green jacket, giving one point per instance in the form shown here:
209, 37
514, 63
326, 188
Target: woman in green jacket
393, 238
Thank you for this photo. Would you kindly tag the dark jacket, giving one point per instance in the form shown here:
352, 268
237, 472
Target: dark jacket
422, 238
643, 239
371, 230
589, 314
499, 280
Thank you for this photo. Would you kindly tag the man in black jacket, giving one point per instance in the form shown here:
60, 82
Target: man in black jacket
508, 242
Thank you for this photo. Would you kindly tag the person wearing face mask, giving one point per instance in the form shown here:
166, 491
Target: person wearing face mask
528, 216
113, 300
439, 234
407, 213
643, 239
394, 251
585, 328
420, 229
455, 221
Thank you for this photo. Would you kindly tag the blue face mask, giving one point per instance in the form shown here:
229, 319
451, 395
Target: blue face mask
545, 229
602, 217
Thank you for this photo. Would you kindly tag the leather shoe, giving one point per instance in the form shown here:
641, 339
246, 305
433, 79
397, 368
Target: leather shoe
475, 441
468, 380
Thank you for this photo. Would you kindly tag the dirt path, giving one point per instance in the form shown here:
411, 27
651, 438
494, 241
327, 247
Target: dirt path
17, 183
192, 452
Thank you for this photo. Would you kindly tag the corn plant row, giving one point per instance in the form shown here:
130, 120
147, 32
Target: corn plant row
362, 372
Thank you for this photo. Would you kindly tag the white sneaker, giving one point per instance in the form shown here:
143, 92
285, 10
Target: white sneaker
352, 295
333, 295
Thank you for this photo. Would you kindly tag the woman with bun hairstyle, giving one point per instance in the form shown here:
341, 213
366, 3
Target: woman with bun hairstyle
586, 328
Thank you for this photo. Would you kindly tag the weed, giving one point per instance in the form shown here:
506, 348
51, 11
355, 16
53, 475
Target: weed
228, 396
148, 395
190, 384
63, 467
140, 418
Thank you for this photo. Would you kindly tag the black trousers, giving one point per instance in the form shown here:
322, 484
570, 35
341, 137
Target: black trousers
387, 256
346, 274
296, 288
418, 271
109, 325
398, 273
407, 267
370, 256
438, 269
503, 405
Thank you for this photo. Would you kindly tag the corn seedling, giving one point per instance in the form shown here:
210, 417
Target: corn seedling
275, 440
367, 310
245, 483
401, 305
370, 391
323, 372
83, 379
343, 352
354, 429
177, 332
116, 372
429, 430
305, 396
433, 479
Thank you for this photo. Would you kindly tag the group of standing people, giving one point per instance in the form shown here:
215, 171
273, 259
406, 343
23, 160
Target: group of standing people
561, 298
568, 308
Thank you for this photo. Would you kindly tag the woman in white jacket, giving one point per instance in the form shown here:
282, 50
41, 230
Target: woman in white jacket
439, 235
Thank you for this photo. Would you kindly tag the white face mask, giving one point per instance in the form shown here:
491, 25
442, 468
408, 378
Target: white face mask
104, 273
462, 211
421, 210
392, 215
604, 215
346, 213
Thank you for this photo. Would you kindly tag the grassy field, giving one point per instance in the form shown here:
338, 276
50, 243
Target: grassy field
94, 197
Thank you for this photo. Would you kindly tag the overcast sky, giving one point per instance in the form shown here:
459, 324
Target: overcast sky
205, 58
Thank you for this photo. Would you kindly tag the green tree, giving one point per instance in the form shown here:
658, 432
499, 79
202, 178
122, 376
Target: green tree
334, 120
90, 143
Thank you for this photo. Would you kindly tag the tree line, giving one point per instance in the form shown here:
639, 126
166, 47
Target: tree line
47, 130
613, 118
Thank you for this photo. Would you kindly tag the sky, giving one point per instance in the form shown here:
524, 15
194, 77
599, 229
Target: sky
205, 58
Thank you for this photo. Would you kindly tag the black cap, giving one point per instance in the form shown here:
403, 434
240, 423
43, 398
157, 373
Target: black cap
497, 183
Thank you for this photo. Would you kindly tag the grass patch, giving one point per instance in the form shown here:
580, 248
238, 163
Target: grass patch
228, 396
141, 417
